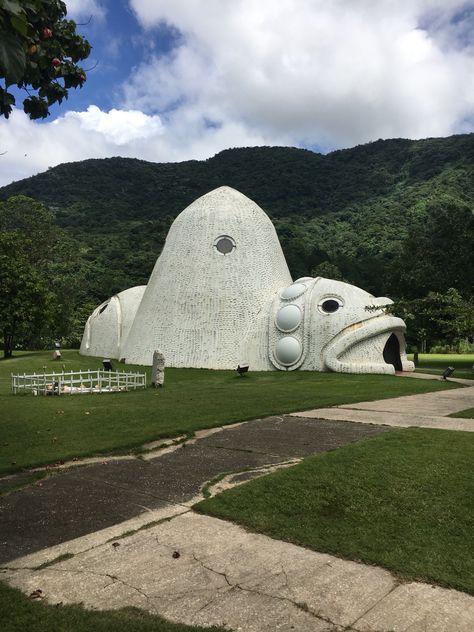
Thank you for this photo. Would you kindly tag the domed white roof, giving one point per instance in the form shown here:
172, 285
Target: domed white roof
109, 324
221, 261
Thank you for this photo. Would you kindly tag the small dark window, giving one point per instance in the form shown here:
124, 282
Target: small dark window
330, 306
102, 309
224, 245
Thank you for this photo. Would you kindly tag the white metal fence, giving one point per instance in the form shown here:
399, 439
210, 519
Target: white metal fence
77, 382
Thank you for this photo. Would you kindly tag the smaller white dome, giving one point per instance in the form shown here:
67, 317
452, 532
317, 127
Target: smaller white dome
288, 350
288, 318
293, 291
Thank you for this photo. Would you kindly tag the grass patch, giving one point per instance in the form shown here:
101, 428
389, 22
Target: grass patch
21, 614
465, 414
18, 481
402, 500
144, 527
436, 363
36, 431
56, 560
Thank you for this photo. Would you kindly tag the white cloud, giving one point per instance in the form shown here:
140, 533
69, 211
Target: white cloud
247, 72
32, 148
335, 73
117, 127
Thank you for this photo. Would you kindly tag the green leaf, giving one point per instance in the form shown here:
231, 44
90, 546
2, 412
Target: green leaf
36, 107
12, 57
20, 24
7, 100
12, 6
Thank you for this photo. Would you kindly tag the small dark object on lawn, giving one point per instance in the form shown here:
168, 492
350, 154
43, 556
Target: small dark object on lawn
242, 370
115, 544
447, 372
176, 554
107, 364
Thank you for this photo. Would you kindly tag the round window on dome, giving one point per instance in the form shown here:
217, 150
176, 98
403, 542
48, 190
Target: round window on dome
224, 245
330, 305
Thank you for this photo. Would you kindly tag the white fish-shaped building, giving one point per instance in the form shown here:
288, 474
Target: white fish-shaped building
221, 294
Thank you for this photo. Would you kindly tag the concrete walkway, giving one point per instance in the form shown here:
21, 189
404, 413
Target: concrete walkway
428, 410
80, 500
122, 533
204, 571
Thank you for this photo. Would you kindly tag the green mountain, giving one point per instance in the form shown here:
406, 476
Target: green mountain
393, 216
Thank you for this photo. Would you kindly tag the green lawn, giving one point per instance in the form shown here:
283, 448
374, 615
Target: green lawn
436, 363
21, 614
402, 500
40, 430
465, 414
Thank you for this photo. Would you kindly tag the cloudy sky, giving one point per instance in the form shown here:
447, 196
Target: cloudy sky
171, 80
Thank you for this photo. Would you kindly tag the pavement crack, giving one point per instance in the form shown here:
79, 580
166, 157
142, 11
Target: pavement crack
127, 488
374, 605
116, 579
75, 571
299, 605
285, 574
213, 570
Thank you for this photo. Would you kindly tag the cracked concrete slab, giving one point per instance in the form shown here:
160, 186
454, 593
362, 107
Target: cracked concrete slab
436, 404
81, 500
96, 538
418, 608
288, 436
428, 410
391, 419
200, 570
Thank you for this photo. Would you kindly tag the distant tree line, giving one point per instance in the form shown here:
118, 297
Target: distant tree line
393, 217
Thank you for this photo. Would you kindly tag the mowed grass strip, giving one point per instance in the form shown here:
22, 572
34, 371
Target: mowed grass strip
402, 501
465, 414
40, 430
22, 614
436, 363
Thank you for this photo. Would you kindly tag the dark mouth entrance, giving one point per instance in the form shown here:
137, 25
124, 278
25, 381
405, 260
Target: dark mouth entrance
391, 352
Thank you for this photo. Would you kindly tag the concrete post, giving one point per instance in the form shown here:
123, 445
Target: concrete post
158, 369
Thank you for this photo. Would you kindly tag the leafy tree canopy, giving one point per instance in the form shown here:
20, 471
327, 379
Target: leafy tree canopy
438, 316
394, 217
39, 51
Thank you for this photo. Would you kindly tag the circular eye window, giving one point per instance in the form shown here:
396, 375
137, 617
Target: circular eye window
224, 244
330, 305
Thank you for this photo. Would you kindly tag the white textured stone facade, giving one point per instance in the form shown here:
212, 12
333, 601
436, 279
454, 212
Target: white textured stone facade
201, 302
109, 324
324, 325
221, 295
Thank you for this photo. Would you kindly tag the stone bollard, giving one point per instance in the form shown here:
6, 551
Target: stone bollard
158, 369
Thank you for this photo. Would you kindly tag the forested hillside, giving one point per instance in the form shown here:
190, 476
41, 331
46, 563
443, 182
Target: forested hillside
394, 216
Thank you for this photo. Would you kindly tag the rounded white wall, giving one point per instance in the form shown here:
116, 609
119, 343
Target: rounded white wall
109, 324
319, 325
221, 262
